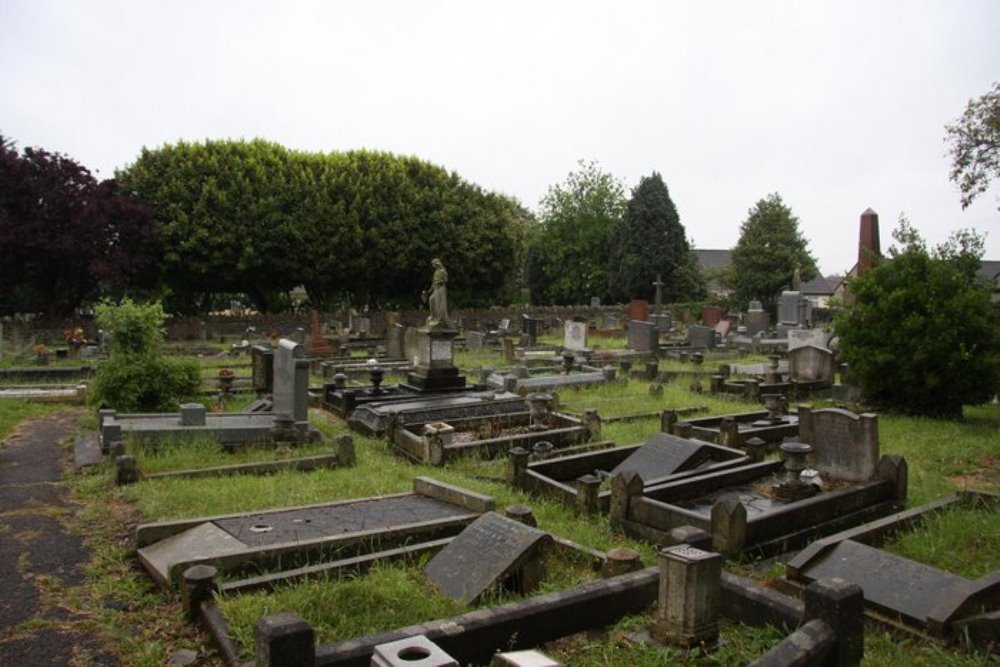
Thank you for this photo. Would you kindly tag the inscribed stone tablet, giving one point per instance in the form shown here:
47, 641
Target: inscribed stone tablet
663, 454
483, 555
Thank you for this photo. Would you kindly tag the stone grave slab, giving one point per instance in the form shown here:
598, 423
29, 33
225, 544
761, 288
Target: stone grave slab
203, 541
664, 454
891, 583
87, 451
483, 555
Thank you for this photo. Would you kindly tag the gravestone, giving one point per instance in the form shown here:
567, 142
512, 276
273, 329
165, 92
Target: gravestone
663, 454
291, 382
474, 340
722, 328
1, 341
317, 344
844, 445
661, 322
395, 347
485, 555
575, 337
595, 302
701, 337
638, 309
788, 307
611, 323
531, 327
262, 362
757, 320
642, 336
361, 325
800, 337
411, 349
810, 363
711, 315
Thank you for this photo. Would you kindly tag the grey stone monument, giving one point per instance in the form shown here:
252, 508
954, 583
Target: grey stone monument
291, 383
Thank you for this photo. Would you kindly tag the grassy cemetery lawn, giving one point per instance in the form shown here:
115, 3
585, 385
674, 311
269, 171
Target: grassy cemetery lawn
146, 626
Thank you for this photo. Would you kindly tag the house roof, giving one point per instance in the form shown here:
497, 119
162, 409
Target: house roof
714, 259
821, 286
990, 270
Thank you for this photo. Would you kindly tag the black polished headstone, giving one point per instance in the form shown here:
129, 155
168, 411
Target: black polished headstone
483, 555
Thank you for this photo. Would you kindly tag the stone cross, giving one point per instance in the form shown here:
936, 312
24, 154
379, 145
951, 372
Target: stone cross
658, 298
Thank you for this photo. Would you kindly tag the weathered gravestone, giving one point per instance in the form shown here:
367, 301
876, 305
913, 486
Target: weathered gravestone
661, 322
411, 344
394, 341
531, 327
474, 340
317, 344
711, 315
638, 309
700, 337
788, 307
757, 320
262, 362
810, 363
575, 337
662, 455
291, 382
642, 336
800, 337
844, 445
484, 556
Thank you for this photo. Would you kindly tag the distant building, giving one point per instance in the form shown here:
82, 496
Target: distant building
989, 270
820, 290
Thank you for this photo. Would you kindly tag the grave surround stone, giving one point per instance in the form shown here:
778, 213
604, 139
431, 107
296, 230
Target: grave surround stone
483, 556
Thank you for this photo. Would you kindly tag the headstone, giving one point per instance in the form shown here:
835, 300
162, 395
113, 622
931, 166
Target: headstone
711, 315
809, 363
844, 445
262, 362
317, 344
595, 302
722, 328
661, 322
411, 350
531, 327
663, 454
291, 382
611, 323
757, 320
474, 340
638, 309
575, 337
800, 337
483, 556
395, 347
642, 336
701, 337
788, 307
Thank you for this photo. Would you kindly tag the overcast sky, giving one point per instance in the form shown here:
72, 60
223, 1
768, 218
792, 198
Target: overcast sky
838, 106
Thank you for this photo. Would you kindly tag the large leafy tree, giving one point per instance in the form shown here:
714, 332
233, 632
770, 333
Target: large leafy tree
358, 227
921, 335
650, 240
974, 145
769, 250
568, 254
64, 236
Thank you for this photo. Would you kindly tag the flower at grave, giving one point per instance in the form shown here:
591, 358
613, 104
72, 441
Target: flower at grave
75, 336
226, 372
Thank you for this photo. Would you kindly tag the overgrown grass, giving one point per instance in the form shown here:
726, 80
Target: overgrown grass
205, 452
145, 625
13, 412
974, 534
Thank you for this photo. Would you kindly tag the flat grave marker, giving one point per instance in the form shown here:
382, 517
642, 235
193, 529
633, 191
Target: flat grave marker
662, 455
483, 555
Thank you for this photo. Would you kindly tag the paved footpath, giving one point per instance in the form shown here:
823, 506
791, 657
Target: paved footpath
38, 553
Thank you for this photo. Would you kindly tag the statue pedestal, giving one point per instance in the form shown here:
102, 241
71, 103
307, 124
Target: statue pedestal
435, 370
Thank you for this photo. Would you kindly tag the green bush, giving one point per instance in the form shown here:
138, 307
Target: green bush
137, 378
145, 383
921, 335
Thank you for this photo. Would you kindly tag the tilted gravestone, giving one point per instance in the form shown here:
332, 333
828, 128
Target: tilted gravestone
642, 336
262, 362
662, 455
810, 363
844, 445
484, 555
291, 382
575, 337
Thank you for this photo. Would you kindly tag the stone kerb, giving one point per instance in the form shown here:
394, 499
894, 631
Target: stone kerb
845, 445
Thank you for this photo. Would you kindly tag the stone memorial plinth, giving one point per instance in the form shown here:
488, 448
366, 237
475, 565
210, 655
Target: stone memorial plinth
687, 613
436, 370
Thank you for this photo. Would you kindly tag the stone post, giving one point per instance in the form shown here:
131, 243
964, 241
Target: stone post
683, 429
198, 584
668, 420
126, 470
621, 561
192, 414
517, 466
716, 384
687, 613
345, 450
587, 489
893, 468
652, 370
756, 448
521, 514
839, 604
284, 640
729, 433
593, 423
729, 526
624, 486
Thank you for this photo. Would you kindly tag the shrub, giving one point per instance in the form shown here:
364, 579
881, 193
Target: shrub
921, 335
137, 378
